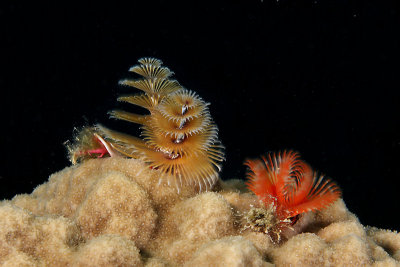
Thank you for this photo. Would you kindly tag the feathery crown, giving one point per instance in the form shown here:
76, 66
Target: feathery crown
289, 183
180, 137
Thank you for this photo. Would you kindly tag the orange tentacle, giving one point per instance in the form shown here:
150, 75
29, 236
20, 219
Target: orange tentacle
290, 184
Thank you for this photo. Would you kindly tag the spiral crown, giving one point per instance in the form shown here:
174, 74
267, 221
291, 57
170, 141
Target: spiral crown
180, 137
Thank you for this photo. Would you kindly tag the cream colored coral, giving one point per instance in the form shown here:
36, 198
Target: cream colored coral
191, 223
112, 212
232, 251
117, 205
206, 216
387, 241
108, 250
29, 240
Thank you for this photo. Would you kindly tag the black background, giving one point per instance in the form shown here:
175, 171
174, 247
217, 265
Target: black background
320, 77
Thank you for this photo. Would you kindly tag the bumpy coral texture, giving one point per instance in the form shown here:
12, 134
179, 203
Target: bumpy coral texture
112, 212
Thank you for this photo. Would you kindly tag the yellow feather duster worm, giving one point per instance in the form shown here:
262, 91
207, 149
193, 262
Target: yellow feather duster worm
180, 137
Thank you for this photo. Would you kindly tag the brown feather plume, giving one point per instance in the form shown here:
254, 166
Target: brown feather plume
180, 137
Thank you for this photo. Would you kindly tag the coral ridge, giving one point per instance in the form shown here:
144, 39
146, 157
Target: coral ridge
113, 212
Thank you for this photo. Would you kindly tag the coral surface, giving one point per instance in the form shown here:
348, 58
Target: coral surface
113, 212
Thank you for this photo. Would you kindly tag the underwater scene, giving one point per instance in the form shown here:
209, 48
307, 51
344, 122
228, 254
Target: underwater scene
254, 134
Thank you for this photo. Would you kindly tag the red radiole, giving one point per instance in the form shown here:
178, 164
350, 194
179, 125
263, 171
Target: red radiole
288, 184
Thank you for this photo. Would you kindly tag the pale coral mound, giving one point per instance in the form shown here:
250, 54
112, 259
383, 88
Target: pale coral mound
112, 212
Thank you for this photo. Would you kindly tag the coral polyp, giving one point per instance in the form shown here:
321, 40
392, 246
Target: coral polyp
180, 138
287, 187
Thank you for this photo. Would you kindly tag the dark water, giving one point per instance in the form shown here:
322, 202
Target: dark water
320, 77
